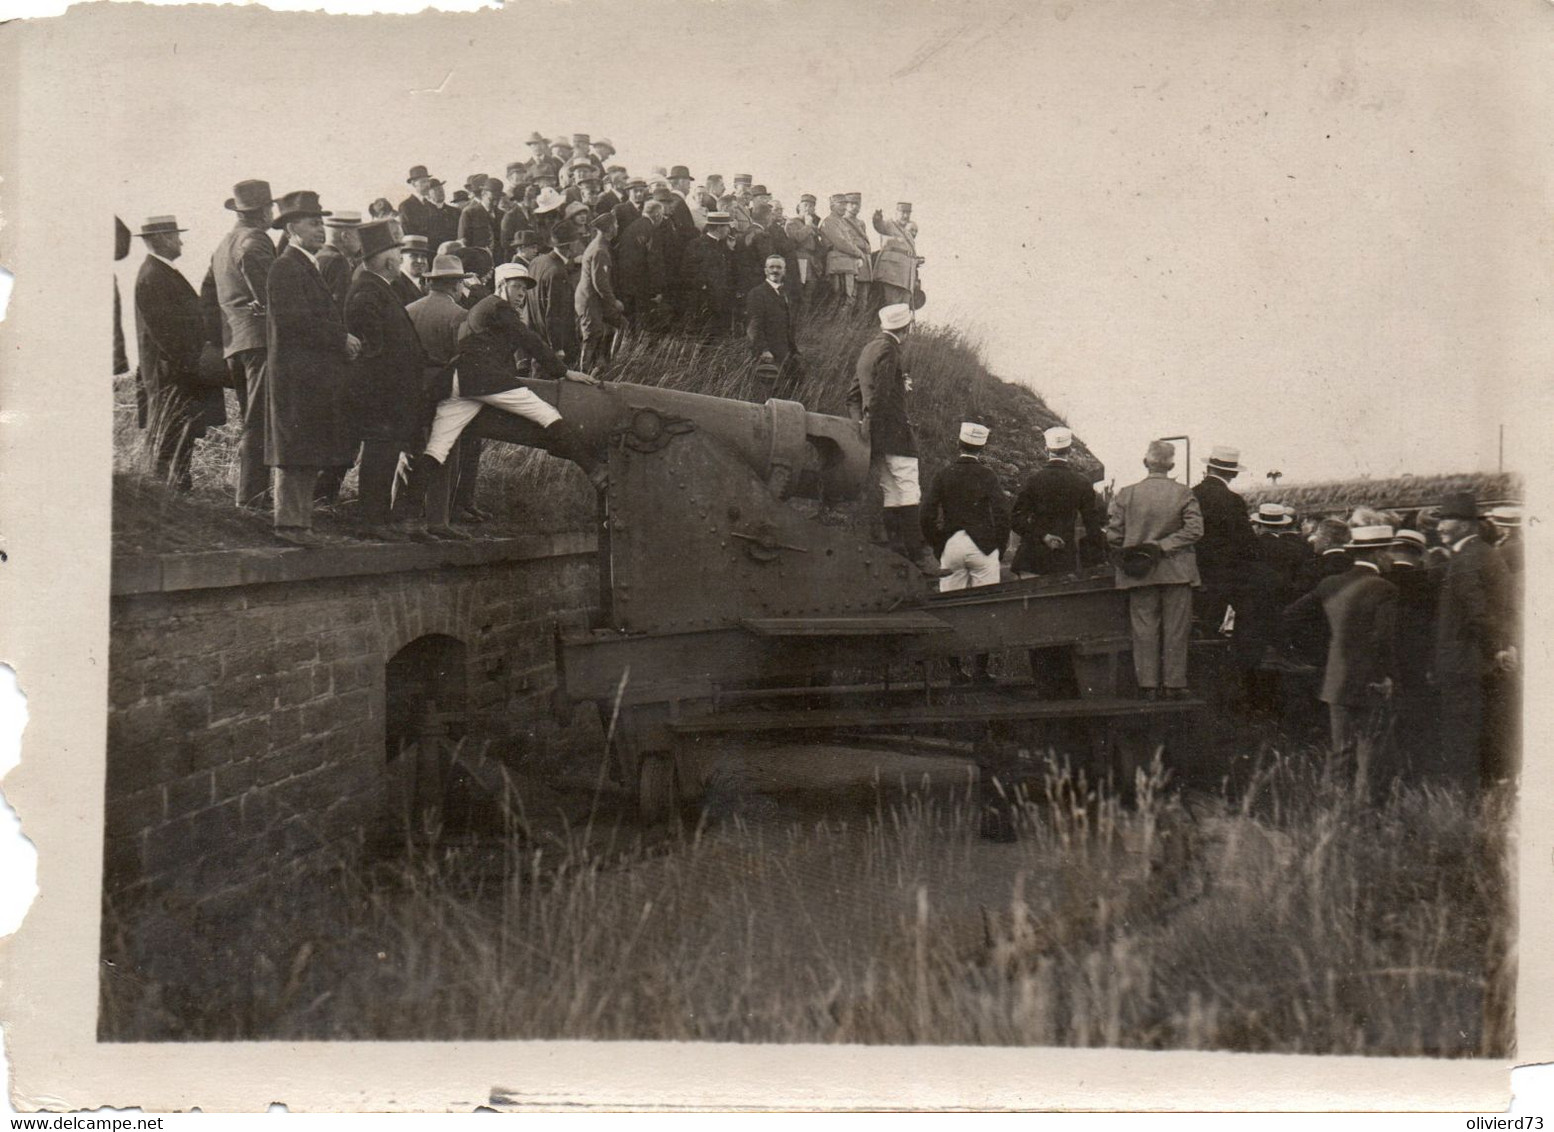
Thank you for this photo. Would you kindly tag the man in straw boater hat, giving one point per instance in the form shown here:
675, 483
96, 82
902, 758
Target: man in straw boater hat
1284, 552
486, 374
1232, 574
307, 429
176, 404
241, 266
387, 408
417, 214
965, 518
877, 398
1153, 528
708, 268
1475, 646
341, 254
1361, 611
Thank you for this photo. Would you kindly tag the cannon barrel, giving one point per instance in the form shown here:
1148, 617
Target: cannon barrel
797, 452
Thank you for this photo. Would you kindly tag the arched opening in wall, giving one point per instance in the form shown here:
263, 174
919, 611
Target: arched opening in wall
426, 726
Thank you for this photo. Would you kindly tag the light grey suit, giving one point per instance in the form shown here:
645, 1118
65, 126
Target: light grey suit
1159, 510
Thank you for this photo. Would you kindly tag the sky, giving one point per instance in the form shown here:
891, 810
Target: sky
1313, 232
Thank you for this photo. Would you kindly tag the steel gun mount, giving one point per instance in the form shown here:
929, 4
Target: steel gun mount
727, 606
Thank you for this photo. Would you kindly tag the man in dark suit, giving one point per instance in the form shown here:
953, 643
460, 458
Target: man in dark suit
769, 328
446, 215
1046, 509
1474, 645
341, 254
1415, 700
170, 333
388, 400
415, 256
1228, 560
640, 264
555, 297
518, 218
1361, 612
629, 210
309, 348
478, 227
418, 216
965, 518
709, 279
241, 266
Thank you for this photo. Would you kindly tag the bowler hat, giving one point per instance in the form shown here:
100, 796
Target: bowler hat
1459, 505
160, 226
759, 191
524, 237
294, 206
537, 138
492, 184
250, 196
475, 182
417, 173
679, 172
417, 244
1137, 561
378, 236
445, 267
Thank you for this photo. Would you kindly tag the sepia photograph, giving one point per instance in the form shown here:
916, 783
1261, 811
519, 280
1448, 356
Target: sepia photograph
801, 526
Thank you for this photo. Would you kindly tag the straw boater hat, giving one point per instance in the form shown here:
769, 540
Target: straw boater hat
160, 226
445, 267
1507, 516
344, 219
294, 206
417, 245
1058, 439
895, 316
1370, 538
973, 434
250, 196
1224, 458
1273, 515
1410, 539
719, 219
379, 236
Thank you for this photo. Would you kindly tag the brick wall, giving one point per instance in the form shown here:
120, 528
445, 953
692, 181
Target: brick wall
246, 693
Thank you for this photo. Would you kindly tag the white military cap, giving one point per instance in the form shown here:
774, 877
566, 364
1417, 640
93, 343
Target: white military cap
972, 433
895, 316
1058, 438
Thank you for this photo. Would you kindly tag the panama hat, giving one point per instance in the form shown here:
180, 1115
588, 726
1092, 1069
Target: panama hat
1224, 458
506, 271
250, 196
1409, 538
1507, 515
549, 200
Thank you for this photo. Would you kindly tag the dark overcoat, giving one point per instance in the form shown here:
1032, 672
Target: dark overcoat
170, 332
1473, 615
418, 217
307, 425
769, 323
477, 229
337, 271
879, 391
1047, 505
966, 496
555, 292
708, 273
1361, 611
1228, 541
406, 288
640, 264
490, 343
389, 379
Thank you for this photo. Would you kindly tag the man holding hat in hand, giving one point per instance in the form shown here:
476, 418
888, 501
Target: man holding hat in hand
877, 398
769, 326
309, 348
241, 265
1153, 528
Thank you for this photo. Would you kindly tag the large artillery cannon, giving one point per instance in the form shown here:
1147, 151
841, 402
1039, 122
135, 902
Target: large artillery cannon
728, 606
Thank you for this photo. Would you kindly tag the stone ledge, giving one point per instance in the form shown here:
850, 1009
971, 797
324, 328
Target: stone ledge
172, 573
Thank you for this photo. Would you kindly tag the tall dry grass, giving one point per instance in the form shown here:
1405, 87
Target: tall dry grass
1295, 916
529, 491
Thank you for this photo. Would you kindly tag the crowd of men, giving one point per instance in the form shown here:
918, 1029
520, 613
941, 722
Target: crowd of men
373, 341
1408, 635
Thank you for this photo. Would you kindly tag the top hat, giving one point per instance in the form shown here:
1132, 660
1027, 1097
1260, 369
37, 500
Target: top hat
344, 219
536, 138
292, 206
250, 196
160, 226
679, 172
1058, 439
1370, 538
379, 236
1459, 505
1224, 458
416, 244
974, 434
895, 316
417, 173
1272, 515
445, 267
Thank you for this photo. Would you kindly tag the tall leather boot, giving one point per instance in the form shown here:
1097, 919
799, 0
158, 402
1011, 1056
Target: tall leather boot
914, 544
565, 439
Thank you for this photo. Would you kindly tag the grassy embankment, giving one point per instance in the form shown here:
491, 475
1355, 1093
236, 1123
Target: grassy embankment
1404, 493
527, 490
1296, 916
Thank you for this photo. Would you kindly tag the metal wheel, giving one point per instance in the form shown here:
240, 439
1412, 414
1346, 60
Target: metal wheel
658, 788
